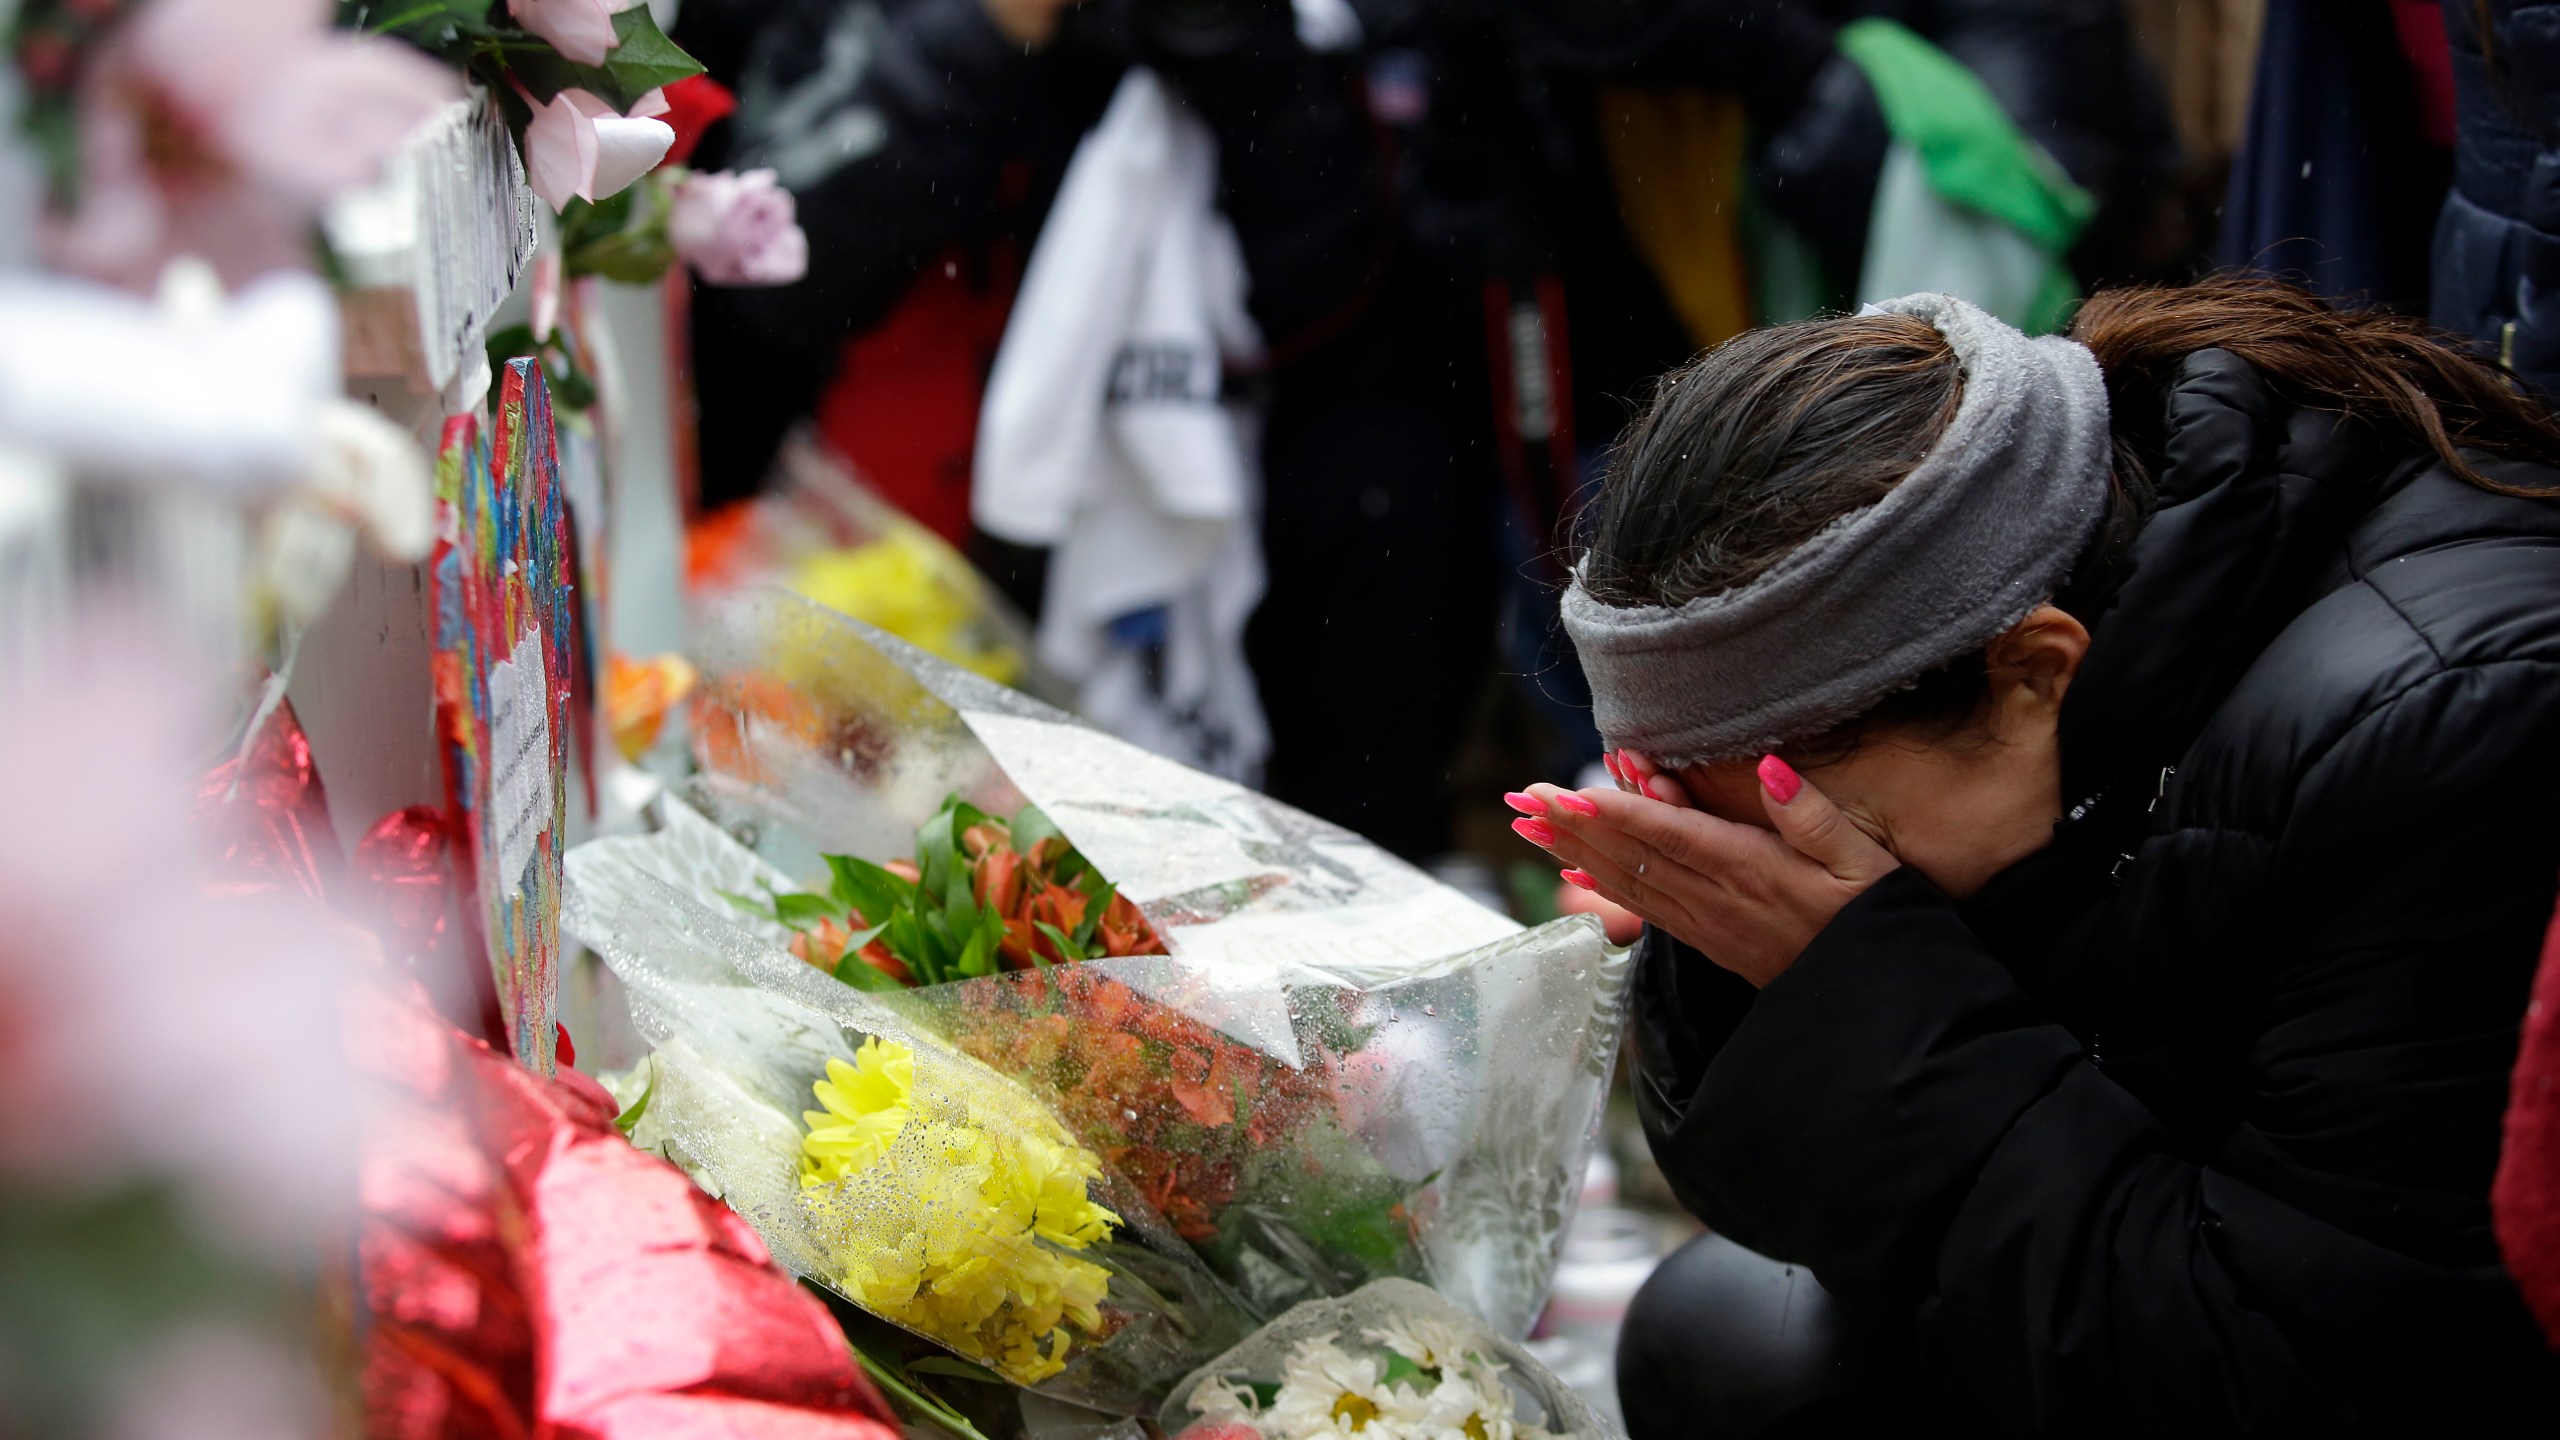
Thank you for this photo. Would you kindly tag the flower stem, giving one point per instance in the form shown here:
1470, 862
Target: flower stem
889, 1379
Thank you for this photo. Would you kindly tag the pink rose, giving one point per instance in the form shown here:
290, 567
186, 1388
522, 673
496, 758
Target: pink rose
578, 148
581, 30
738, 229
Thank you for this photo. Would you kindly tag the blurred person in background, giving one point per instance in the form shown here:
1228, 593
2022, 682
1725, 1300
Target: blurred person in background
2497, 242
1586, 193
2349, 145
1545, 202
923, 141
2096, 855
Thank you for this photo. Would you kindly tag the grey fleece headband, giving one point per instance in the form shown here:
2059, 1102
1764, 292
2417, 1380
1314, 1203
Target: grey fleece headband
1981, 532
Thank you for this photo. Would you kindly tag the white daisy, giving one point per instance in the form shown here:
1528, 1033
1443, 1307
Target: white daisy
1327, 1390
1470, 1404
1430, 1344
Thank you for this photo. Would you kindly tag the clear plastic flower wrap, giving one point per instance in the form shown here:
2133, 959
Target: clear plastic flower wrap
886, 1165
1333, 1068
1392, 1359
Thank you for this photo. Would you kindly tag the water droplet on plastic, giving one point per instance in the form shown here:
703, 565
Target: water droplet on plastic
1431, 1010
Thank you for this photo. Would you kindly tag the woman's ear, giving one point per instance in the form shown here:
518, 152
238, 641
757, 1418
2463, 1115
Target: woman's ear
2033, 663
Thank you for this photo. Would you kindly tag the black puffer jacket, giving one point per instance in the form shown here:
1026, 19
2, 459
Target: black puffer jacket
2186, 1123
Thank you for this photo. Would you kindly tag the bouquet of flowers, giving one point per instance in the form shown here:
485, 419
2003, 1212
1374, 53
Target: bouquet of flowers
884, 1163
985, 897
1195, 1016
1392, 1362
980, 893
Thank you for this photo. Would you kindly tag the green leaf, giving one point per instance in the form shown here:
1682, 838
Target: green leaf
437, 26
1098, 895
645, 60
938, 853
629, 1120
1401, 1371
800, 911
1032, 826
978, 957
909, 941
868, 890
583, 222
634, 257
956, 1368
1068, 948
892, 1378
751, 905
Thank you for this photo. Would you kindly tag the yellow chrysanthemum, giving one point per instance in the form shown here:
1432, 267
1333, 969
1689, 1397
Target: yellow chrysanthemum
866, 1108
947, 1206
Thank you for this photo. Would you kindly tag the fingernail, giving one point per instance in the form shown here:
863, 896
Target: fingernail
1779, 779
1536, 832
1609, 762
1522, 801
1576, 803
1578, 879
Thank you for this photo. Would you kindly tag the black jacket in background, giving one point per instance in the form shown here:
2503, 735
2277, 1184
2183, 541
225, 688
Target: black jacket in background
2185, 1125
2497, 241
1510, 173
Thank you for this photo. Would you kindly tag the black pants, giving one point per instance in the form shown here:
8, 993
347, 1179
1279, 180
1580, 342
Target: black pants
1723, 1343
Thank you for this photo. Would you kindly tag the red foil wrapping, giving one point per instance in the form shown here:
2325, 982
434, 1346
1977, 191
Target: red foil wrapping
403, 877
528, 1273
264, 817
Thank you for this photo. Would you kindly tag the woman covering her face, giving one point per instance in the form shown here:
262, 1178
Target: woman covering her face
2096, 802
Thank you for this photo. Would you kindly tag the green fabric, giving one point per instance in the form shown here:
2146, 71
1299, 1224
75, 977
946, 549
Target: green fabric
1973, 153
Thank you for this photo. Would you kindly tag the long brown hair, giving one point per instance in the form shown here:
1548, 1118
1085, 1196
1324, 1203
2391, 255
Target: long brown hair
2384, 371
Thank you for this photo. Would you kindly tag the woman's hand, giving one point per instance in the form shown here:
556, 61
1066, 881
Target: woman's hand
1745, 898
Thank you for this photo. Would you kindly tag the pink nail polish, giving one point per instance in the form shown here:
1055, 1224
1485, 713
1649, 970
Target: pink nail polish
1524, 802
1536, 832
1779, 779
1609, 762
1579, 879
1576, 803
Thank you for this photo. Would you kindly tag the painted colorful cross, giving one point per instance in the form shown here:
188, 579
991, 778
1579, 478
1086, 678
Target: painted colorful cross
505, 643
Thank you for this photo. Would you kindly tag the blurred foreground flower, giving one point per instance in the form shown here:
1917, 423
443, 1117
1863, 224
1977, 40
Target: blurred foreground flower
176, 1150
581, 30
111, 957
218, 128
238, 394
639, 694
738, 229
